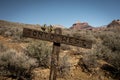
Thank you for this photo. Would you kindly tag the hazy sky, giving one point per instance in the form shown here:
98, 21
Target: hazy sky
63, 12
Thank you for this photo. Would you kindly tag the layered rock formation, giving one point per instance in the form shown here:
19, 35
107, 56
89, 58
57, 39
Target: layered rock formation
79, 26
114, 23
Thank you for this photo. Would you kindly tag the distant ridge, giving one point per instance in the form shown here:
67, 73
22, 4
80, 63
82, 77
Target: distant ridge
4, 23
114, 23
79, 26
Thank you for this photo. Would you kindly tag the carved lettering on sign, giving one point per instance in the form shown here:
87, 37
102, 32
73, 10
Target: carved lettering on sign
64, 39
56, 38
35, 33
40, 34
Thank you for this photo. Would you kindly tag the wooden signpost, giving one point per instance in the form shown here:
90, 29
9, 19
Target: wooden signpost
57, 39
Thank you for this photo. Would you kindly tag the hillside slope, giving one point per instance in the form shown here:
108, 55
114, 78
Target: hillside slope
31, 57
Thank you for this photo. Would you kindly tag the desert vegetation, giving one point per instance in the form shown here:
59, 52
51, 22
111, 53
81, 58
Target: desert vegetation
41, 51
101, 62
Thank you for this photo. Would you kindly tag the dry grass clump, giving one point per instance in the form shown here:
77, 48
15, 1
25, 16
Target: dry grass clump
109, 50
16, 65
64, 66
41, 51
83, 34
2, 47
65, 47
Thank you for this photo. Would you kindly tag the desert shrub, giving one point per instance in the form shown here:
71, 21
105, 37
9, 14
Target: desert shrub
17, 34
15, 64
65, 47
101, 51
111, 40
90, 59
7, 33
2, 47
113, 68
85, 35
114, 59
64, 66
88, 62
109, 49
67, 32
41, 51
2, 30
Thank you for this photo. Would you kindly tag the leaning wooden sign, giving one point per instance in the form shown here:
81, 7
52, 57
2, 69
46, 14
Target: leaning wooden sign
57, 39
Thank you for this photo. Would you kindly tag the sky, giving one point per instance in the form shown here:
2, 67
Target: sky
62, 12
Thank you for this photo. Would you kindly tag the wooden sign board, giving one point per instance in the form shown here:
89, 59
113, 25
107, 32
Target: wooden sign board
31, 33
57, 39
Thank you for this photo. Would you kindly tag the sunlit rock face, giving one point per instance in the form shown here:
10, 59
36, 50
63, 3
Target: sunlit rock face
78, 25
114, 23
